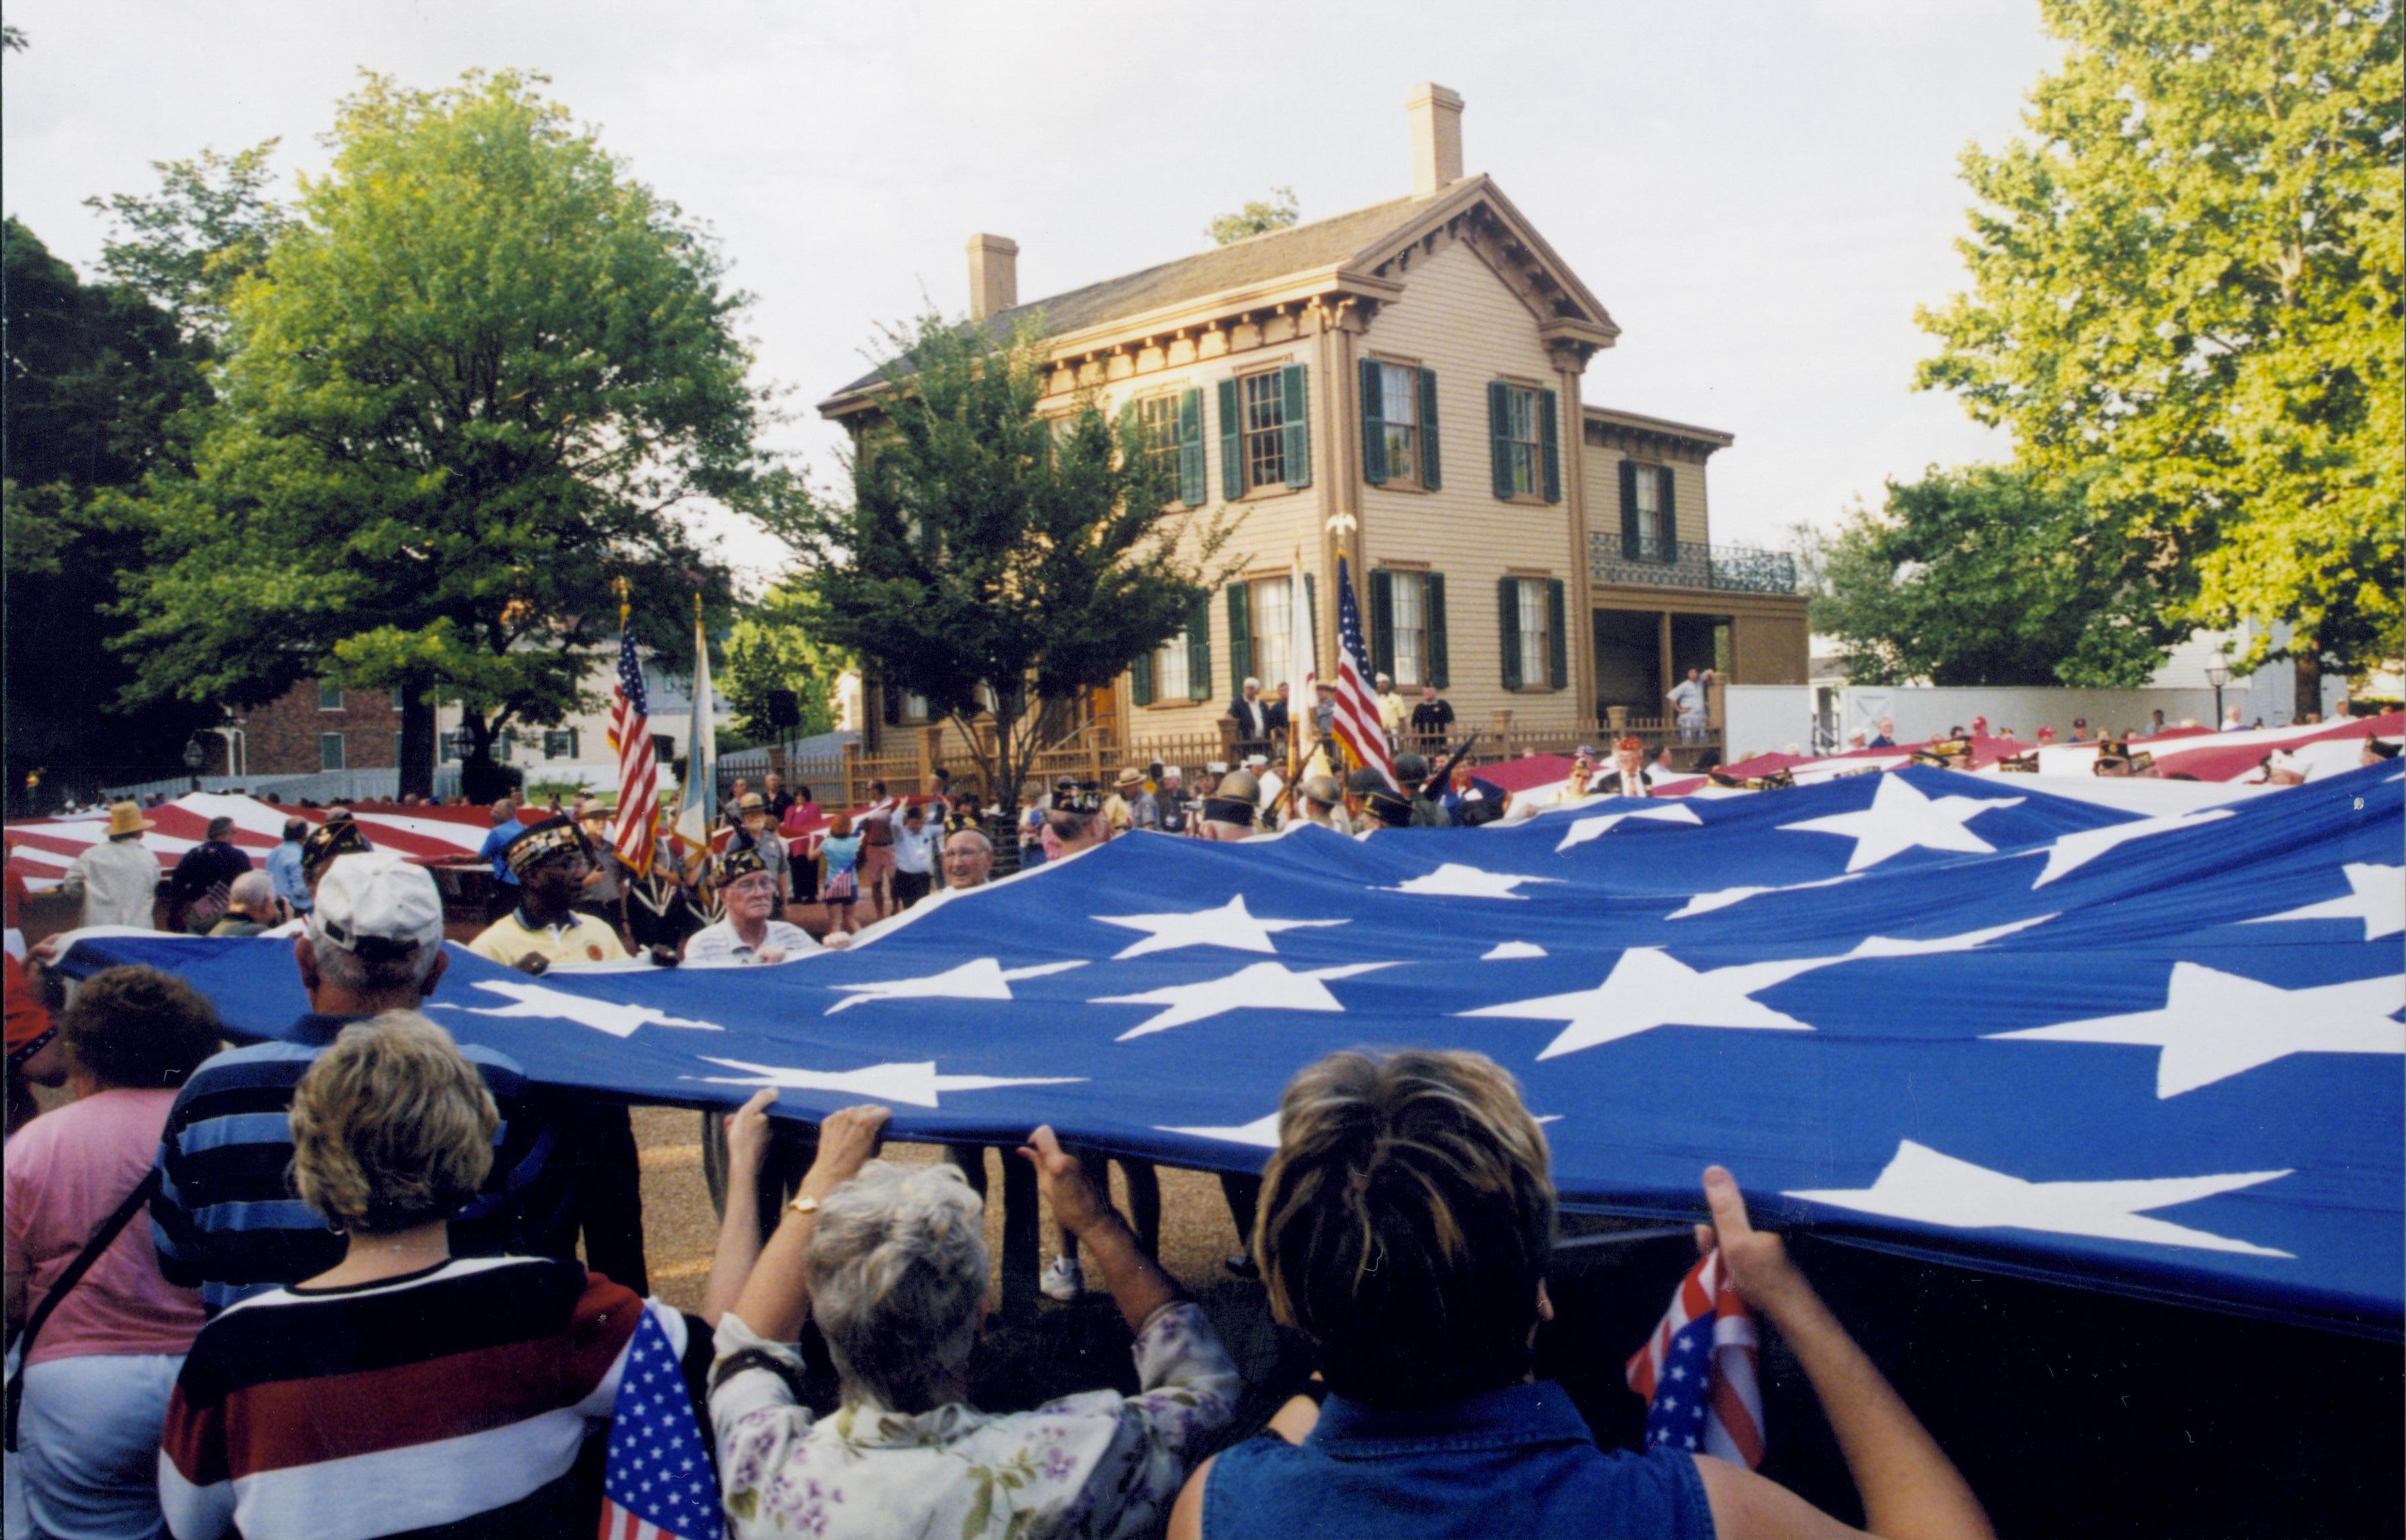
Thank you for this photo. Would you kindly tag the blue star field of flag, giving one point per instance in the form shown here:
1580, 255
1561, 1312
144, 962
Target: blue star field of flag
656, 1468
1951, 1015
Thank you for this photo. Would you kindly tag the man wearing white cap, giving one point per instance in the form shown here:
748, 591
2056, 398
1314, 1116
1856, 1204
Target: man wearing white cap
225, 1221
117, 879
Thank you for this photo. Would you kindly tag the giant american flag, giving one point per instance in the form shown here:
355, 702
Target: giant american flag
631, 735
1357, 710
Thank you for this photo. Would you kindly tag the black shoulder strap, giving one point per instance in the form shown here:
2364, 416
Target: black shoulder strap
110, 1228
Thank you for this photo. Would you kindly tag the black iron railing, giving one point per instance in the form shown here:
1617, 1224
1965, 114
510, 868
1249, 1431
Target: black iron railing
1690, 564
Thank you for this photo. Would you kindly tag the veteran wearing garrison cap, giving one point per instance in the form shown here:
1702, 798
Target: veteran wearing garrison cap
549, 860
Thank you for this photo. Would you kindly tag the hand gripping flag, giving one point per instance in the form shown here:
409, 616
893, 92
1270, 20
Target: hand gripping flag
630, 738
1356, 721
657, 1483
1698, 1371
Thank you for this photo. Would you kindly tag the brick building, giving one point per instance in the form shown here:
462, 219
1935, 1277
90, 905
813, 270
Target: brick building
317, 725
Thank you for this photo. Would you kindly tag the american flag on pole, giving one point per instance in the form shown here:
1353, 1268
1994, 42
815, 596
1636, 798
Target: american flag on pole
1357, 710
658, 1482
631, 736
1698, 1371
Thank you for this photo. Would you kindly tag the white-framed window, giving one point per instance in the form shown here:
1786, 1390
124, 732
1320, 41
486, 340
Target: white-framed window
914, 707
1265, 431
1157, 417
1169, 669
1399, 395
330, 698
1533, 667
330, 751
401, 697
1524, 429
559, 743
1647, 484
1411, 591
1273, 612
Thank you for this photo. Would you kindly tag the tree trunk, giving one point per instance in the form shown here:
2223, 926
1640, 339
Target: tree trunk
415, 755
2308, 659
480, 779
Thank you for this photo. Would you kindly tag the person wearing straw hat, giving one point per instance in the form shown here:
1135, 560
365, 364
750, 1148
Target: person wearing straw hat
117, 879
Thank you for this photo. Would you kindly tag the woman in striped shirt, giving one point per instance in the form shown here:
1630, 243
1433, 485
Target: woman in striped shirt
403, 1391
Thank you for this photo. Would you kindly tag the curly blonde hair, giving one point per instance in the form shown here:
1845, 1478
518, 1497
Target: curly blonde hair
392, 1126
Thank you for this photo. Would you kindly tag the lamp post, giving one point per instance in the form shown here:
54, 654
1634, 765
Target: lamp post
2217, 675
193, 755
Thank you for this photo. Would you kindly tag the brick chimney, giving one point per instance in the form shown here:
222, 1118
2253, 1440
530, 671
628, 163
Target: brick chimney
1436, 137
993, 273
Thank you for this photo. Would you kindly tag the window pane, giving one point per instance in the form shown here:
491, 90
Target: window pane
1533, 631
1412, 629
330, 751
1399, 390
329, 696
1158, 418
1524, 431
914, 707
1649, 505
1265, 431
1169, 669
1271, 613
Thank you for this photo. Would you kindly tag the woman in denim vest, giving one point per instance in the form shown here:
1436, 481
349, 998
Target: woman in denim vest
1405, 1227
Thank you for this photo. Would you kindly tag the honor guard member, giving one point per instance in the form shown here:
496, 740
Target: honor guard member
544, 931
1231, 810
1629, 775
1411, 775
1375, 804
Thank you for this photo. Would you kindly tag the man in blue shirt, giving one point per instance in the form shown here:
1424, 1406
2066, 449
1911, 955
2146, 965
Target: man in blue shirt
226, 1220
284, 866
504, 899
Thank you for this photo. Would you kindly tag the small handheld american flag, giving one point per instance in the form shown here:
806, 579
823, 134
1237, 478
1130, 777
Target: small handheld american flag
1698, 1371
657, 1483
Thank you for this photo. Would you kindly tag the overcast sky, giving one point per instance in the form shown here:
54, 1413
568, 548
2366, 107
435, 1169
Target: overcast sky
1760, 190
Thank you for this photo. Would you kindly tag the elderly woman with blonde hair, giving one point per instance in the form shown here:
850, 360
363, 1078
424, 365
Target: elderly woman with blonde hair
404, 1389
1406, 1224
891, 1261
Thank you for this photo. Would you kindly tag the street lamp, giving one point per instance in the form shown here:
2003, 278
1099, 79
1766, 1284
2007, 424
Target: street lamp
2217, 675
193, 759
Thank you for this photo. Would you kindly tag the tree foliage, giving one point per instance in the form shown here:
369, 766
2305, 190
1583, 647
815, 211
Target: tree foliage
1988, 575
1258, 218
2185, 289
95, 379
479, 377
994, 560
771, 647
186, 245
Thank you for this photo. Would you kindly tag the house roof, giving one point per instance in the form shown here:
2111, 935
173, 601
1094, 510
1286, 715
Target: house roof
1661, 427
1322, 243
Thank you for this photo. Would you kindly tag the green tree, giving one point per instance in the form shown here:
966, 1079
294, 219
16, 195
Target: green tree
186, 245
95, 377
1987, 576
771, 647
1258, 218
480, 378
996, 560
2186, 288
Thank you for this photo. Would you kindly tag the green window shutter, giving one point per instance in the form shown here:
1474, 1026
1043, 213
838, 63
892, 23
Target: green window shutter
1439, 672
1508, 628
1629, 542
1670, 516
1194, 479
1241, 633
1428, 431
1232, 443
1198, 648
1382, 621
1499, 434
1292, 386
1551, 432
1374, 423
1141, 679
1557, 638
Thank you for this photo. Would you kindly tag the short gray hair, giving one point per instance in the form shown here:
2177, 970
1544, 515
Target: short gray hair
896, 1271
346, 969
251, 890
983, 843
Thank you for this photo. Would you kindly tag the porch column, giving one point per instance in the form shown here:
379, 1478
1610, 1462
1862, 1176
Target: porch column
1663, 657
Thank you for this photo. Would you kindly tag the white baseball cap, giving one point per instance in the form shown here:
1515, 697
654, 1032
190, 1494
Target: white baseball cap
377, 897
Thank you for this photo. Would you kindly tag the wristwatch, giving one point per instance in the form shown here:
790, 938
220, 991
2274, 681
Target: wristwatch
804, 1204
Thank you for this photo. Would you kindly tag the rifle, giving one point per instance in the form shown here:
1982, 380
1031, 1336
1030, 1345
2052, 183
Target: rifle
1445, 772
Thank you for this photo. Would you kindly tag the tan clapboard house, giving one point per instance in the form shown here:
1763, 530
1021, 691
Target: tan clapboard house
1406, 384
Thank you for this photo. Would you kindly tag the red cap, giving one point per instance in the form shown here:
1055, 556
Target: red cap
1628, 744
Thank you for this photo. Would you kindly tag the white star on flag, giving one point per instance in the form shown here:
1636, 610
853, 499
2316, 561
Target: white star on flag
1257, 986
1455, 880
2376, 894
1511, 950
619, 1021
2073, 851
1921, 1184
918, 1085
1902, 819
1704, 903
1599, 825
1262, 1132
2214, 1025
979, 979
1231, 926
1648, 988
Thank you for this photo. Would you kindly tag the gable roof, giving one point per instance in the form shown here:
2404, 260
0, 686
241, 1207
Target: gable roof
1361, 237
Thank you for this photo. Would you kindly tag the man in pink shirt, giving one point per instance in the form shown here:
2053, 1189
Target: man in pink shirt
99, 1373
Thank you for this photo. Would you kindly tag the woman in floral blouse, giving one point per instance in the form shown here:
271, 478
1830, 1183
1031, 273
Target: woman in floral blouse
892, 1262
